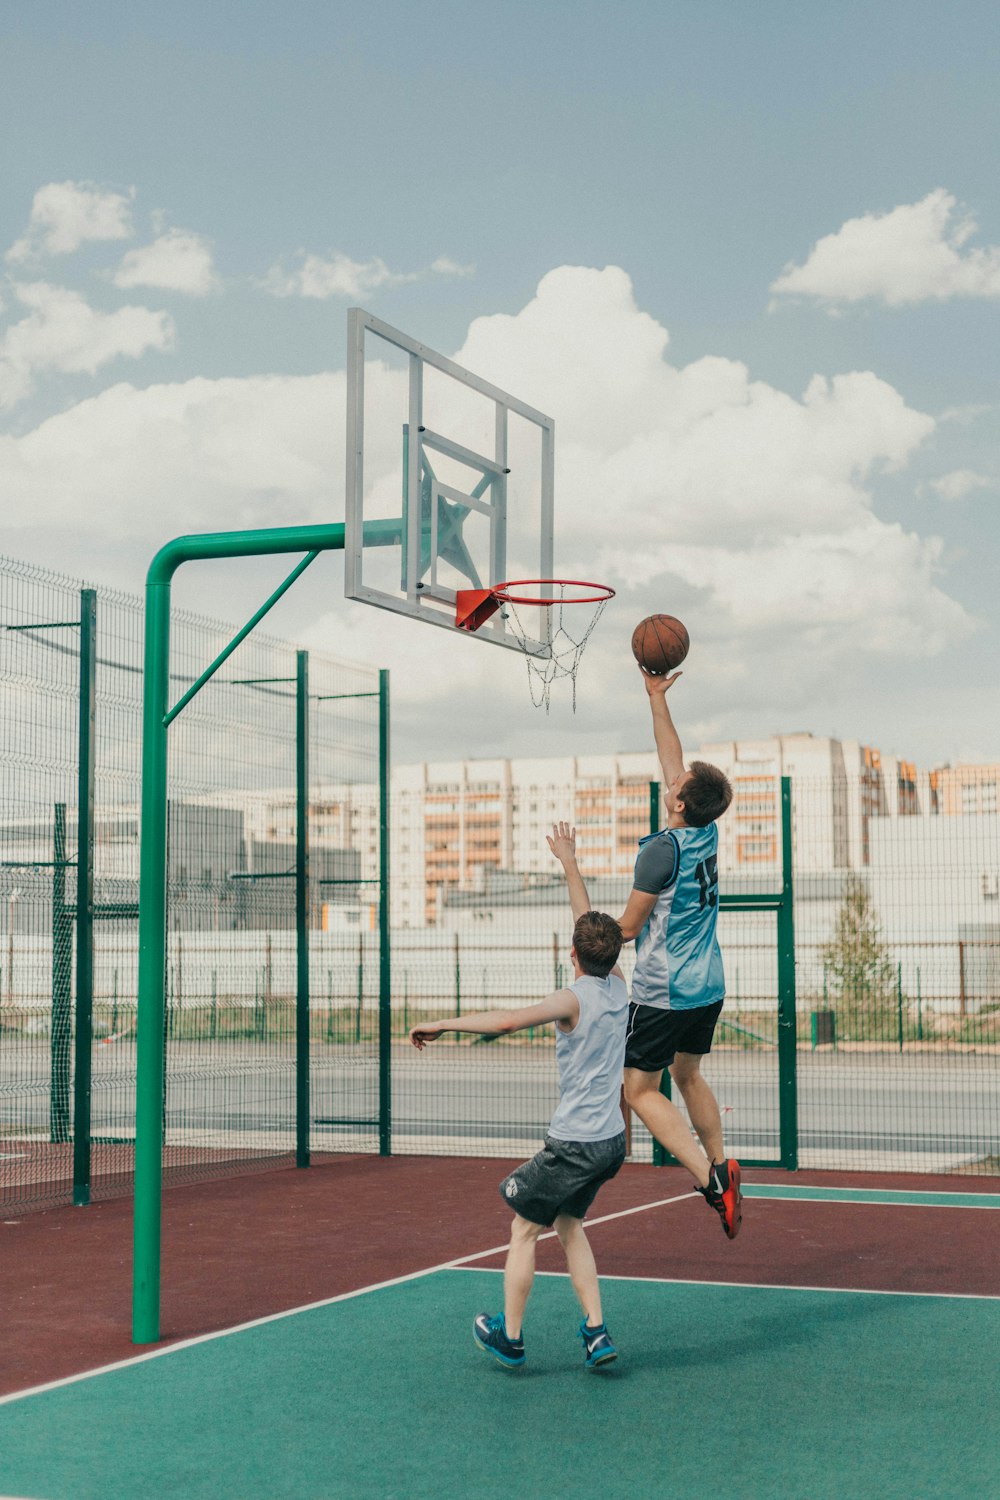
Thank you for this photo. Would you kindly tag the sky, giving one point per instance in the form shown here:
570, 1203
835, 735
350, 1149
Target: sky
747, 257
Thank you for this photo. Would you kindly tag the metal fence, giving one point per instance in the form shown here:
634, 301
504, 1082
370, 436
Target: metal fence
68, 1017
891, 1062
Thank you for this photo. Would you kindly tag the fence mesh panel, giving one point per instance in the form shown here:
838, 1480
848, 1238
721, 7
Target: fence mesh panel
231, 964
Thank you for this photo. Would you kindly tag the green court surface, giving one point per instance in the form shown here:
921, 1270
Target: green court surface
743, 1391
887, 1196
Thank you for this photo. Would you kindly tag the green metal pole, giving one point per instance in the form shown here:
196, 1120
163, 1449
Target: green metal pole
661, 1157
82, 1078
62, 985
787, 1056
152, 969
302, 908
384, 963
153, 866
899, 1004
920, 1009
458, 975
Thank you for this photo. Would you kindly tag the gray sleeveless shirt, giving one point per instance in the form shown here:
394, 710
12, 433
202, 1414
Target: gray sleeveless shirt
591, 1058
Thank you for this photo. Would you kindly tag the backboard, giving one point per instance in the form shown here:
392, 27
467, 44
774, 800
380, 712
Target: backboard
464, 467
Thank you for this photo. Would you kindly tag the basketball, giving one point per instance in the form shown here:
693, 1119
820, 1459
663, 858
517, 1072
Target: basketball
659, 644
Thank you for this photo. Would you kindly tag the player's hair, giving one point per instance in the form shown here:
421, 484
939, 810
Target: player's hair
597, 939
706, 794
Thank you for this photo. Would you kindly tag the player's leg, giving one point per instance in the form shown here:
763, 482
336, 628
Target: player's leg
664, 1121
500, 1335
519, 1273
722, 1191
598, 1348
581, 1266
587, 1166
700, 1102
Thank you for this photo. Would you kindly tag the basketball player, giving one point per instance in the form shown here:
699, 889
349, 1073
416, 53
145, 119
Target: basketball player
585, 1142
678, 984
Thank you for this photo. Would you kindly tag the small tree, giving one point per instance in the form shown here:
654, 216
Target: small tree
858, 968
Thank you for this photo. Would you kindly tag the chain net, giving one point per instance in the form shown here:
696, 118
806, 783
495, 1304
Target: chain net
572, 622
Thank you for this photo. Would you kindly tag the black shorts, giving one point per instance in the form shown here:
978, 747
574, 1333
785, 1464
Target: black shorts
655, 1035
563, 1178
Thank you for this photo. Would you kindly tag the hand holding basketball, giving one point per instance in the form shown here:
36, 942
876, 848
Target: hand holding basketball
659, 644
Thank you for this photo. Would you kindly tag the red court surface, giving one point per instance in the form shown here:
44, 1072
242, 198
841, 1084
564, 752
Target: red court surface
255, 1245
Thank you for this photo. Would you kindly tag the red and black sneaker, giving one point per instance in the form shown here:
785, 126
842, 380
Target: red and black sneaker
723, 1194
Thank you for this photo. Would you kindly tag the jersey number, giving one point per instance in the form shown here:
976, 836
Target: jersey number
707, 876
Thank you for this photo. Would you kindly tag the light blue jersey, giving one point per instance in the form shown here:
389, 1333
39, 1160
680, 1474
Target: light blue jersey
678, 964
591, 1058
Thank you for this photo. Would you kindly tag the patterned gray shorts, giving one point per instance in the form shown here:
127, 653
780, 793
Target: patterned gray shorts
562, 1179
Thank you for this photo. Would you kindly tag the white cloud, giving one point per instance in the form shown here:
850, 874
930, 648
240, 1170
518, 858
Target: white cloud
62, 332
915, 253
445, 266
692, 489
960, 483
201, 454
178, 261
339, 276
64, 215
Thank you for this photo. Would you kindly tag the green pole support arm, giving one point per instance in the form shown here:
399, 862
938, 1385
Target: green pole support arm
240, 635
153, 865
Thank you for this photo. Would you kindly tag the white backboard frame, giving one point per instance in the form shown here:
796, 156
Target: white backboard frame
427, 598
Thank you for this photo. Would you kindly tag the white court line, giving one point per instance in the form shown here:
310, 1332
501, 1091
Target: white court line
376, 1286
764, 1286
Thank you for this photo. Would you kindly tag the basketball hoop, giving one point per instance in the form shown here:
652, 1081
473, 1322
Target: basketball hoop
568, 634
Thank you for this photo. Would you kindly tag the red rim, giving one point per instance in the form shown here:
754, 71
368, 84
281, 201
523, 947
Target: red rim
601, 597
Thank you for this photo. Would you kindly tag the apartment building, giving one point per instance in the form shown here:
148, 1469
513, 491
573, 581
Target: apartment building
456, 823
838, 788
966, 789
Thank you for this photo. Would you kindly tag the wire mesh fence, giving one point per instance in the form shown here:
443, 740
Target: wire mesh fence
230, 977
897, 930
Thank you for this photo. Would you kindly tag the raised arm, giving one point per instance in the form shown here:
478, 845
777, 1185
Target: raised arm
668, 745
561, 1005
562, 842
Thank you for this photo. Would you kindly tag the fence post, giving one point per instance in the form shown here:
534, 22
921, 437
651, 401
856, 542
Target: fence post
384, 932
788, 1125
962, 999
82, 1081
359, 997
62, 986
899, 1003
302, 908
920, 1010
458, 978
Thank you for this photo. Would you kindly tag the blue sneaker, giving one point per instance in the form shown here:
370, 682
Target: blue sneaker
597, 1346
491, 1336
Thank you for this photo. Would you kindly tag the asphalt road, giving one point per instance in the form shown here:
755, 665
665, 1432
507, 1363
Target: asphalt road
885, 1106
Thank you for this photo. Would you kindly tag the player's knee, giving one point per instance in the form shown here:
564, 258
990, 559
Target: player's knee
685, 1070
638, 1083
567, 1228
524, 1229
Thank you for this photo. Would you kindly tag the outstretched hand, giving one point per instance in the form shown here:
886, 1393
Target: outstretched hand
658, 684
421, 1035
562, 842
